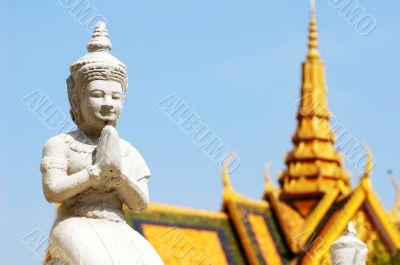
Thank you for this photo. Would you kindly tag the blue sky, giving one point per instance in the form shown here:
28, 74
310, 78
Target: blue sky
236, 64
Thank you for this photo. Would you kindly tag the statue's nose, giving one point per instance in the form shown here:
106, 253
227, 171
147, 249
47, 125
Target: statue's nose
107, 104
107, 107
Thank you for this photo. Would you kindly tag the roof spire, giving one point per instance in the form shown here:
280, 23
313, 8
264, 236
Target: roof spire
313, 166
313, 36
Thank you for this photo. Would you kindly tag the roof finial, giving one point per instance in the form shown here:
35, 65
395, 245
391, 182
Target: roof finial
312, 7
313, 36
394, 182
225, 176
100, 39
267, 177
368, 162
396, 208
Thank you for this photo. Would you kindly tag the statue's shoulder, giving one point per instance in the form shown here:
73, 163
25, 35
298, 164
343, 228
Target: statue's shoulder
55, 146
54, 140
74, 141
63, 138
127, 148
137, 164
78, 142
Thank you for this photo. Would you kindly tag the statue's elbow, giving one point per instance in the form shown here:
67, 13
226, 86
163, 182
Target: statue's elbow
51, 196
146, 204
146, 201
140, 205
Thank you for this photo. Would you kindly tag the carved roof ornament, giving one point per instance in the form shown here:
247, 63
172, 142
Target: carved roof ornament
269, 186
368, 162
396, 207
366, 178
225, 175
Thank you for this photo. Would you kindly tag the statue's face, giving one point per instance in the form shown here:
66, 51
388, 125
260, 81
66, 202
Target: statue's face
101, 103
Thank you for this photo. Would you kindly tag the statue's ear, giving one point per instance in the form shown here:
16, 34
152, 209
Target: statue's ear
73, 99
72, 115
124, 90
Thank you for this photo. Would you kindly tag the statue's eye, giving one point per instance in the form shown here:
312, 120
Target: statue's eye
96, 94
116, 96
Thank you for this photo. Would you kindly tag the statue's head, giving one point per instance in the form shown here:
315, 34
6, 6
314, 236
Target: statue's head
97, 84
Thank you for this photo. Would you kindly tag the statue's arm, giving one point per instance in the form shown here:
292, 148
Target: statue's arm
133, 189
134, 193
57, 184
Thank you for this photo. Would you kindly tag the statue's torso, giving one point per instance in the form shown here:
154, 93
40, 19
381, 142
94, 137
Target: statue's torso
101, 201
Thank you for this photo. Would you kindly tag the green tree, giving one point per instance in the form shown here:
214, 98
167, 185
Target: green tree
380, 255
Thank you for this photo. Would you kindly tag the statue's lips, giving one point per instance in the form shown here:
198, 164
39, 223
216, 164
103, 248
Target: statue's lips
107, 112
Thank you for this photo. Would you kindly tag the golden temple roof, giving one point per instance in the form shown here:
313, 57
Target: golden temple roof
313, 165
296, 222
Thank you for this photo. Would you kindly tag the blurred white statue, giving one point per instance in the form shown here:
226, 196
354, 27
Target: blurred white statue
91, 172
348, 249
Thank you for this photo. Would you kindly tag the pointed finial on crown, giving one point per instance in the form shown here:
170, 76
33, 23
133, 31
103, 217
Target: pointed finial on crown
351, 230
313, 36
100, 39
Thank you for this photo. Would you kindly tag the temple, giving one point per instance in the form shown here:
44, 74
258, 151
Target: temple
294, 223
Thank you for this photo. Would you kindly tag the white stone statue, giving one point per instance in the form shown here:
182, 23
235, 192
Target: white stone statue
348, 249
91, 172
